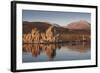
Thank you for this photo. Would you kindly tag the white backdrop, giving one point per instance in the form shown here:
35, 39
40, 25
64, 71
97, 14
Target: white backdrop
5, 36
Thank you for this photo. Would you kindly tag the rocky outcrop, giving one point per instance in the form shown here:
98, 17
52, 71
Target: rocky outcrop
27, 38
37, 36
50, 34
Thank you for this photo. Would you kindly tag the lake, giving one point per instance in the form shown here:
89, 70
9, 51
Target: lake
56, 52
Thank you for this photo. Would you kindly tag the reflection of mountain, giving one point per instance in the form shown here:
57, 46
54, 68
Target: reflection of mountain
44, 32
51, 49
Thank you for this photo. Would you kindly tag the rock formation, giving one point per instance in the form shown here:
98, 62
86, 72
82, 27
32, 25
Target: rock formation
50, 34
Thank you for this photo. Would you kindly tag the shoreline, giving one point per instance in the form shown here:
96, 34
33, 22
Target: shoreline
85, 41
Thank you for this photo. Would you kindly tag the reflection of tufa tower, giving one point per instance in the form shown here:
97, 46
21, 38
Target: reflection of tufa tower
51, 51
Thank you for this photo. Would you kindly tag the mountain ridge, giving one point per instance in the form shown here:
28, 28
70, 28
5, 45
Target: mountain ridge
78, 25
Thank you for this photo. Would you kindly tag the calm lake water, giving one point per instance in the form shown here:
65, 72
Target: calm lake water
56, 52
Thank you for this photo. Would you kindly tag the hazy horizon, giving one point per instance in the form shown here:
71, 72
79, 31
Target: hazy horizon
61, 18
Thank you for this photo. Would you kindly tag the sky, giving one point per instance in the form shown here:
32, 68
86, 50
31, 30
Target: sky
61, 18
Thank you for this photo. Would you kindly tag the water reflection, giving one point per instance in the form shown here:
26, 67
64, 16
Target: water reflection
53, 51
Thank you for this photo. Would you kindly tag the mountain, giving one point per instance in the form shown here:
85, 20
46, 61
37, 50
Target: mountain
79, 25
28, 26
56, 25
41, 26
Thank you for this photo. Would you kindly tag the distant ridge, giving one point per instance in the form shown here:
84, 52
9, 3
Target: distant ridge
42, 26
79, 25
28, 26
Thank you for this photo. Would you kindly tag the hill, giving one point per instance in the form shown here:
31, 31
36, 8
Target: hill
79, 25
